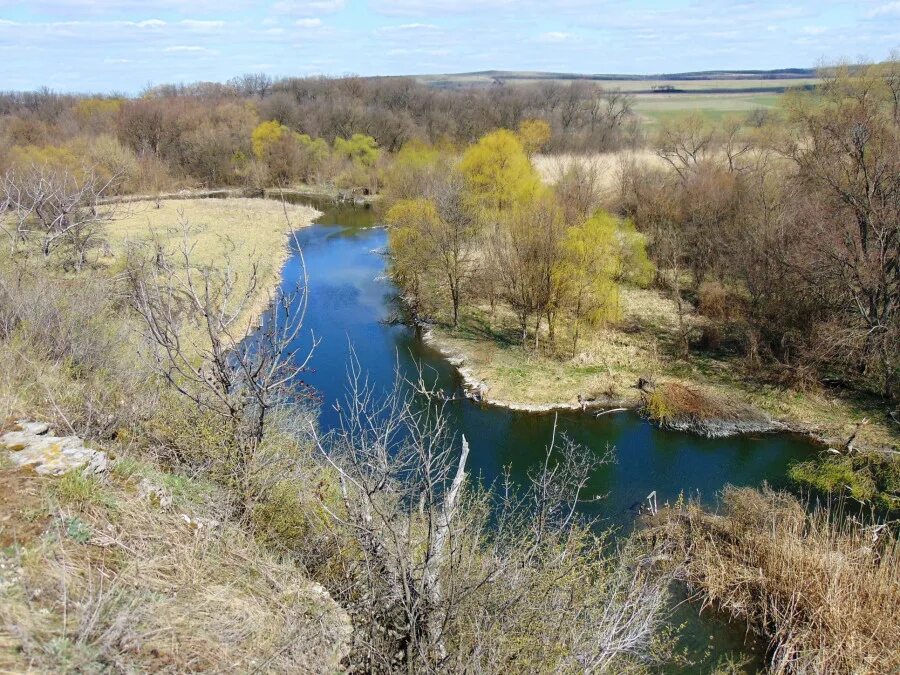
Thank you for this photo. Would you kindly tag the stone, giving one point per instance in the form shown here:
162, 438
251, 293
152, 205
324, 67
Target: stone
155, 494
51, 455
36, 428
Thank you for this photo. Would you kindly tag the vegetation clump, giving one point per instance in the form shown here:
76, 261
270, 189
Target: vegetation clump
822, 588
678, 406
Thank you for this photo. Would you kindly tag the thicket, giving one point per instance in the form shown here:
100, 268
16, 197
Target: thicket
313, 129
820, 584
479, 226
786, 235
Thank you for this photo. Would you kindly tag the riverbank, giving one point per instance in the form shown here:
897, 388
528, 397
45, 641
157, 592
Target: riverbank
246, 231
609, 363
309, 191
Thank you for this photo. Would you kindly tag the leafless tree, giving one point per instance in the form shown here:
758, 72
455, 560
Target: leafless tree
61, 206
201, 342
450, 579
684, 143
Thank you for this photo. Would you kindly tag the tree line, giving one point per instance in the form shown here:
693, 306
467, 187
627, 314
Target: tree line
200, 134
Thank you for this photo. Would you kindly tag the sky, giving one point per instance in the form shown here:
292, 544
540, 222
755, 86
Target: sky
127, 45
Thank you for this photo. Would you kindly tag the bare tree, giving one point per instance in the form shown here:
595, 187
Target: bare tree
62, 206
685, 142
450, 579
201, 343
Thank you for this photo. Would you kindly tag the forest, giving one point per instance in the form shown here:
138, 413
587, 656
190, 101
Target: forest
546, 224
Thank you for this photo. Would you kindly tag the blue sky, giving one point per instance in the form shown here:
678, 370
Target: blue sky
123, 45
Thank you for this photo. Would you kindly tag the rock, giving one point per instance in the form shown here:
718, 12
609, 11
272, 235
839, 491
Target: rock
36, 428
155, 494
51, 455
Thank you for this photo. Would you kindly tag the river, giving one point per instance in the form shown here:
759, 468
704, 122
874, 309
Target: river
350, 299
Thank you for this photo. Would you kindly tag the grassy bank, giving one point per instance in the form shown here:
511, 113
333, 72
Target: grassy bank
610, 361
145, 568
239, 232
143, 571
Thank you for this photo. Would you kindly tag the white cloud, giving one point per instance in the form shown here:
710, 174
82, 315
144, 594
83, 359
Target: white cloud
887, 9
554, 37
189, 49
307, 7
309, 23
202, 26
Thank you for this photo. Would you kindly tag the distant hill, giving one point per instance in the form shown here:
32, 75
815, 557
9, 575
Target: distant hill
706, 81
778, 74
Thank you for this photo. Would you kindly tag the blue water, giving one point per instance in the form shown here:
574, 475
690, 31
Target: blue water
349, 300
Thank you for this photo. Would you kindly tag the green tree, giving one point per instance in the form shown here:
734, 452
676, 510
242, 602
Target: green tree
265, 135
359, 148
498, 173
587, 271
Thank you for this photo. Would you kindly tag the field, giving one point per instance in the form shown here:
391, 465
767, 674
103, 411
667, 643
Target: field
654, 108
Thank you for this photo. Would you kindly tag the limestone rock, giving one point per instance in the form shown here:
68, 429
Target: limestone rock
36, 428
31, 445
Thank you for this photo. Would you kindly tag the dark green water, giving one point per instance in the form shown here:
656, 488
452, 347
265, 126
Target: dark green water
350, 298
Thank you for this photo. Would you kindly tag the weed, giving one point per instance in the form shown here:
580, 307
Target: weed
77, 530
80, 491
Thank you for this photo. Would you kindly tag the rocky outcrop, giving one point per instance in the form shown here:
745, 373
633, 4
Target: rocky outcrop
30, 444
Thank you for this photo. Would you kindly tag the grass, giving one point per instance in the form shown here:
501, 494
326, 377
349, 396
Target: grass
87, 587
644, 344
712, 84
654, 108
606, 166
822, 588
246, 230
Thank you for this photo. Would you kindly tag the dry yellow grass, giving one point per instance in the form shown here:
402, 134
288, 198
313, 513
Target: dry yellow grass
823, 589
244, 230
608, 363
103, 575
607, 166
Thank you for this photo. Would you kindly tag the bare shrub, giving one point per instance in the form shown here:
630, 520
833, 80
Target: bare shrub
61, 207
200, 343
65, 349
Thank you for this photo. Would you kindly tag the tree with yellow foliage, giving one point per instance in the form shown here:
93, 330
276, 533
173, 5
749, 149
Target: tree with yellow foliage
534, 135
587, 272
498, 173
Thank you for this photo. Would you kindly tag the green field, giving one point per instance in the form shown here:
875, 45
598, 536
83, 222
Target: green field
714, 94
653, 108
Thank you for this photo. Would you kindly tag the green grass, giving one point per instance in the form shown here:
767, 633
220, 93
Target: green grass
79, 490
655, 108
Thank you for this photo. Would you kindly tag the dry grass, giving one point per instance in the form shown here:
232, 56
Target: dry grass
608, 363
674, 404
246, 230
123, 583
607, 166
823, 589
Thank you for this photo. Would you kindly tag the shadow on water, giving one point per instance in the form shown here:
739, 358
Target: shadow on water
350, 298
